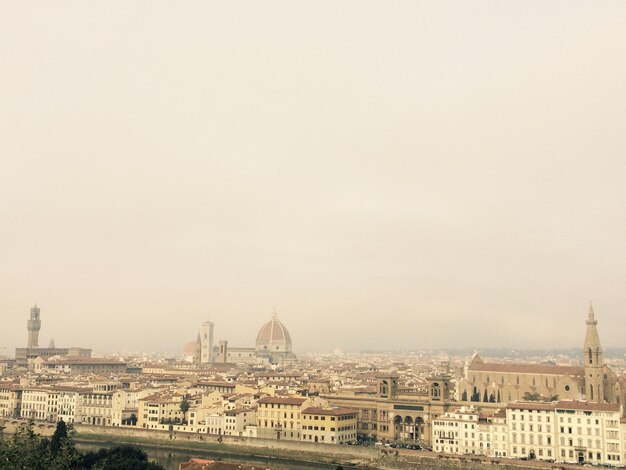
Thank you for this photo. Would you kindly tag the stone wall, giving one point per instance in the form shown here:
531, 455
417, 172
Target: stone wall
364, 457
11, 425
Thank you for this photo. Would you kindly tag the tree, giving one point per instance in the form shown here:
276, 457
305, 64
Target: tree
59, 436
26, 450
184, 407
124, 457
528, 396
133, 419
22, 451
62, 454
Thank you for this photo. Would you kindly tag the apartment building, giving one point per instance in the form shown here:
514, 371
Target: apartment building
329, 425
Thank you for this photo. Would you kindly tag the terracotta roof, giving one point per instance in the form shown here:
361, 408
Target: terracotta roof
527, 368
283, 400
85, 360
273, 332
563, 405
519, 405
237, 411
583, 405
314, 410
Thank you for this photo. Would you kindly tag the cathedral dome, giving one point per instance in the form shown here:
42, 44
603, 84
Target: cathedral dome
273, 337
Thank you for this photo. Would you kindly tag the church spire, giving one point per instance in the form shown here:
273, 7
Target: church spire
592, 339
593, 361
591, 319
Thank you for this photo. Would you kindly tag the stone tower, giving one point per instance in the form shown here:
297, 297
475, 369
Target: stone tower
34, 325
593, 361
388, 385
206, 342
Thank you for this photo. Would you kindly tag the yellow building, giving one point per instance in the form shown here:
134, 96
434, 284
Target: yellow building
159, 410
329, 425
279, 417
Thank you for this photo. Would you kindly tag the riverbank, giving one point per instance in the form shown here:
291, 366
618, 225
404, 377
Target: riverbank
288, 454
274, 457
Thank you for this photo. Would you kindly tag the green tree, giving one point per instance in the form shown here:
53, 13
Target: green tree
26, 450
184, 407
59, 436
133, 419
23, 451
528, 396
124, 457
61, 452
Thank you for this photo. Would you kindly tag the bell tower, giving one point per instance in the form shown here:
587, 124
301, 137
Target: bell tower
593, 361
388, 385
34, 325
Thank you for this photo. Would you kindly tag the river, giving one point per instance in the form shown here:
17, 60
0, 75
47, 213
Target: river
171, 459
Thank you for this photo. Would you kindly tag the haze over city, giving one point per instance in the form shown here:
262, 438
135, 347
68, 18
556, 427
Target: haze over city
444, 174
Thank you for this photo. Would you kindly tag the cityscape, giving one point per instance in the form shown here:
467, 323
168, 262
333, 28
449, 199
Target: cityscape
564, 408
312, 235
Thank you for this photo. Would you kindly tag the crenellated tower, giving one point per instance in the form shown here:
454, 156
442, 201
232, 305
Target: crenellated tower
34, 325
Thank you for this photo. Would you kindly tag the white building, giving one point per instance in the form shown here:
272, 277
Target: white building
464, 431
567, 431
564, 431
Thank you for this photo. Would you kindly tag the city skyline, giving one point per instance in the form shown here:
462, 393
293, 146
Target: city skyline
176, 350
420, 175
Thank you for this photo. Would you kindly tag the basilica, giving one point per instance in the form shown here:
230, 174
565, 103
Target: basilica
272, 346
396, 412
592, 381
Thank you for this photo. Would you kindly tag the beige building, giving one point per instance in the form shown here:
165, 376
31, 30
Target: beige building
329, 425
468, 431
395, 414
69, 404
280, 417
84, 366
124, 404
10, 400
159, 410
237, 419
40, 404
96, 407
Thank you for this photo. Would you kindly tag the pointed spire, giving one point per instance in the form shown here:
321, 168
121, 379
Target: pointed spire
592, 339
591, 318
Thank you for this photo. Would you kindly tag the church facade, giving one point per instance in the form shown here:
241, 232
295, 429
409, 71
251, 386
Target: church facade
592, 381
396, 415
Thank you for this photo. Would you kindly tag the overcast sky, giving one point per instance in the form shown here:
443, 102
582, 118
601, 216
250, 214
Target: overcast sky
387, 175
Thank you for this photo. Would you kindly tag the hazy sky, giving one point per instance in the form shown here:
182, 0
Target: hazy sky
390, 174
